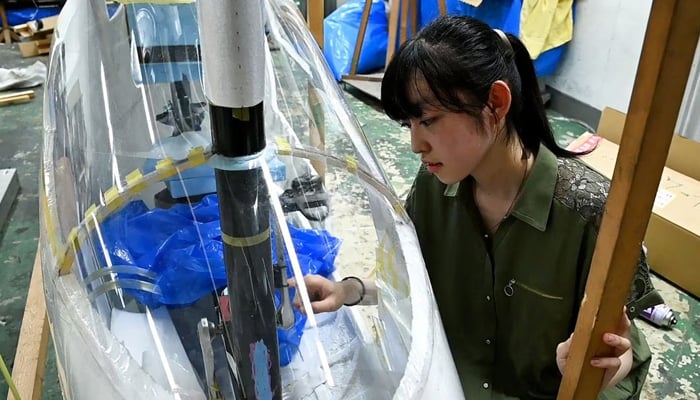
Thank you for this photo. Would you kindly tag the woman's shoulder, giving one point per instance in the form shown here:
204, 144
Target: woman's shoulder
581, 188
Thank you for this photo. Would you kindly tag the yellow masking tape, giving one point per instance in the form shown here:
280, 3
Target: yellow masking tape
196, 156
283, 146
65, 261
72, 239
242, 113
351, 164
246, 241
113, 199
91, 210
92, 216
67, 256
135, 182
166, 168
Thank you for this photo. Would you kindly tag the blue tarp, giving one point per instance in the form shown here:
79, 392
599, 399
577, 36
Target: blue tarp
182, 247
23, 15
342, 26
340, 31
501, 14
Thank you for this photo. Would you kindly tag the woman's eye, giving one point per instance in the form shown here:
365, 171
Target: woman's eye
427, 121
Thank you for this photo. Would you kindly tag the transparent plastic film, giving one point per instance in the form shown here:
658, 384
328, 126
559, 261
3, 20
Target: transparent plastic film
168, 238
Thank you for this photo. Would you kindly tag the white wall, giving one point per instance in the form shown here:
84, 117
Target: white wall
601, 62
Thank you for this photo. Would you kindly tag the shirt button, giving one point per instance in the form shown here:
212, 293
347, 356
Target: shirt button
486, 235
486, 385
488, 341
488, 298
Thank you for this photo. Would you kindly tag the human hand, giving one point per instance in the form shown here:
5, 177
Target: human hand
618, 365
325, 295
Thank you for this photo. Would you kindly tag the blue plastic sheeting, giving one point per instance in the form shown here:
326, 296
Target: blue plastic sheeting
341, 30
24, 15
501, 14
183, 247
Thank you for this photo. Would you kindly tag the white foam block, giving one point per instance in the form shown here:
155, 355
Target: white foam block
9, 186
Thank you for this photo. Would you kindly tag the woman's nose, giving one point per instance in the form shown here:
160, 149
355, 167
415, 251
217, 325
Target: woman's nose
418, 144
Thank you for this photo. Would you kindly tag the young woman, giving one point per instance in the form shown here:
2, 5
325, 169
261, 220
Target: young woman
507, 220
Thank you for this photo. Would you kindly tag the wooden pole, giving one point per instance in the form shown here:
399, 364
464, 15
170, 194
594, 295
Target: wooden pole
671, 37
414, 17
442, 6
360, 37
317, 127
404, 21
393, 27
5, 27
314, 16
33, 344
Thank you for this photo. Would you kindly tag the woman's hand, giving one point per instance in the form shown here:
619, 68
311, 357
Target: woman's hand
616, 367
325, 295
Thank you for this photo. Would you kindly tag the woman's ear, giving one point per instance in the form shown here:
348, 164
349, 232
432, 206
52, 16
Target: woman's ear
500, 100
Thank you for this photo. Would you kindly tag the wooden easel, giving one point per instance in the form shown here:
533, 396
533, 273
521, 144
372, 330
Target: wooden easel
669, 46
5, 26
403, 8
33, 344
16, 97
314, 19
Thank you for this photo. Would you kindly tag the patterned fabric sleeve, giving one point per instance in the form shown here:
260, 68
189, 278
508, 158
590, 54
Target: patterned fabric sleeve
586, 191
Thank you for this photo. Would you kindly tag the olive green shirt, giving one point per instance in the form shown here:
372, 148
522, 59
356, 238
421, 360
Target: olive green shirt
507, 300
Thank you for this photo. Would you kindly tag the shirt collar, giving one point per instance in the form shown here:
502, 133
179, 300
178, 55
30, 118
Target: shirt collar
538, 191
535, 201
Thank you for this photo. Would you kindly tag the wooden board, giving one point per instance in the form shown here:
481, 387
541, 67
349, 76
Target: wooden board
16, 97
667, 55
370, 84
314, 17
33, 344
5, 26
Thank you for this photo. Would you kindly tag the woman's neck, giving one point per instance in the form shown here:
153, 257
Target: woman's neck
503, 169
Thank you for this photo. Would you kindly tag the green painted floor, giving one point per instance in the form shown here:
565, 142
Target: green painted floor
675, 370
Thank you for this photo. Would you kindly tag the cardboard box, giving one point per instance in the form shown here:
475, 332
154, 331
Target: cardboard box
33, 48
673, 233
35, 36
683, 156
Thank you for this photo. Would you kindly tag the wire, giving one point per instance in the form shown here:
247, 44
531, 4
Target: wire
8, 378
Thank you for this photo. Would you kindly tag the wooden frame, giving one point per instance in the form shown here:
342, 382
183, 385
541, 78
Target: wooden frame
315, 10
398, 30
667, 55
5, 27
672, 34
33, 344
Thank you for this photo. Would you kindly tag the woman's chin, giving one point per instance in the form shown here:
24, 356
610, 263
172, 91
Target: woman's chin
447, 179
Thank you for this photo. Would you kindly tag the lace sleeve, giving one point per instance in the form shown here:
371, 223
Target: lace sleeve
642, 294
586, 191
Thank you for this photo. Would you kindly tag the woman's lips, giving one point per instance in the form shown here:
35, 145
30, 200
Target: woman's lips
433, 167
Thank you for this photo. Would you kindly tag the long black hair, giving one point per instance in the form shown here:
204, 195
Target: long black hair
460, 58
